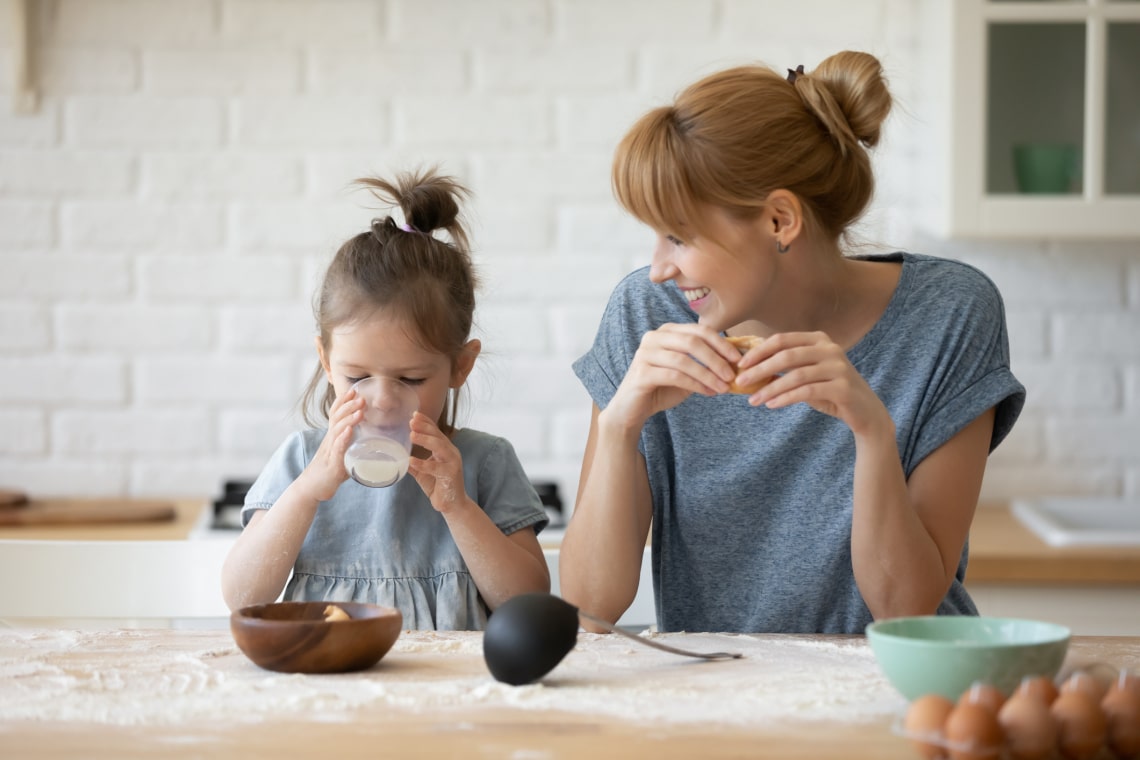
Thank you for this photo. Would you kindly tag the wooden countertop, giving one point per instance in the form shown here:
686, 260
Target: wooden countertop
1002, 550
191, 693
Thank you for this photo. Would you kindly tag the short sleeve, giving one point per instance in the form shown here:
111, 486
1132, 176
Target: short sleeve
506, 494
636, 306
279, 472
975, 375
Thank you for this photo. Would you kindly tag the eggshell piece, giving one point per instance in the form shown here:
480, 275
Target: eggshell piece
1040, 687
1081, 724
1122, 711
923, 724
1030, 729
983, 695
332, 613
973, 733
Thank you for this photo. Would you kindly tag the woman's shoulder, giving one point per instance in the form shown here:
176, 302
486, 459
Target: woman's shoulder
941, 282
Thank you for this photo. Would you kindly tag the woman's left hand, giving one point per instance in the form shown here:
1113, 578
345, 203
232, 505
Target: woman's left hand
812, 368
441, 474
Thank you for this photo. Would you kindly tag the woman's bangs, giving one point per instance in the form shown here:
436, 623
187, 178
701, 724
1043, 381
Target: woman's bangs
649, 176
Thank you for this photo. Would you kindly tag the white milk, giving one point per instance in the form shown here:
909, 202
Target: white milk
376, 462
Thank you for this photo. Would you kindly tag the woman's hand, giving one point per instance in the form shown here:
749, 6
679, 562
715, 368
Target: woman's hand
811, 368
673, 362
326, 472
441, 474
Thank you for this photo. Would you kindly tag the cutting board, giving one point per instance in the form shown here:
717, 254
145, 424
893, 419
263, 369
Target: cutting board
84, 511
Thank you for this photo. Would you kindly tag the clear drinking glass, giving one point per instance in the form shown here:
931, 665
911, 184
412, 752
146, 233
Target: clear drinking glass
381, 441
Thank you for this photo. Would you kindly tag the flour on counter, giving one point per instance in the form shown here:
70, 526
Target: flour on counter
139, 677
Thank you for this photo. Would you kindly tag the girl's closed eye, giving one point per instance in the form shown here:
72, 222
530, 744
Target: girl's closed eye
412, 380
355, 380
674, 240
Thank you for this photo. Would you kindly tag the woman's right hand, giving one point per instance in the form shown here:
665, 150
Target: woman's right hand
673, 362
326, 472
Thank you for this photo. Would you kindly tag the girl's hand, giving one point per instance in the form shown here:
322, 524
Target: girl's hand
326, 472
811, 368
441, 474
673, 362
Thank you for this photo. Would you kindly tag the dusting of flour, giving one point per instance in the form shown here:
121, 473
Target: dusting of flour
164, 677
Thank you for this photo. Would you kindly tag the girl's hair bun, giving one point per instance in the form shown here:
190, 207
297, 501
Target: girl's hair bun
429, 201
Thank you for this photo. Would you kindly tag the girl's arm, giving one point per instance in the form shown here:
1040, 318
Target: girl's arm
258, 565
906, 537
600, 558
502, 566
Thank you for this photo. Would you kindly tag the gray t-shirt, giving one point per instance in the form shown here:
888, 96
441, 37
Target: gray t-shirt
752, 506
388, 545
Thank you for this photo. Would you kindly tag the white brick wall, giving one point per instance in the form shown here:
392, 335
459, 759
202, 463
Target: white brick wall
166, 212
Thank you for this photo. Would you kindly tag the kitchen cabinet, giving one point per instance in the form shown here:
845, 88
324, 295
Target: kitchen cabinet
1029, 114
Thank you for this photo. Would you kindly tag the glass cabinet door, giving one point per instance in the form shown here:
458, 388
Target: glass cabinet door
1122, 105
1035, 108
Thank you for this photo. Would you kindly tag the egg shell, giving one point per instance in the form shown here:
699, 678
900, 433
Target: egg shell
1122, 710
983, 695
923, 724
1082, 680
1030, 729
1081, 725
973, 733
1041, 687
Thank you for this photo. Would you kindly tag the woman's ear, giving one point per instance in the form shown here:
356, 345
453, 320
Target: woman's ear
464, 363
784, 216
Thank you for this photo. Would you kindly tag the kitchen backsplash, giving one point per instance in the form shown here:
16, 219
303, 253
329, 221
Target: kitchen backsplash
166, 211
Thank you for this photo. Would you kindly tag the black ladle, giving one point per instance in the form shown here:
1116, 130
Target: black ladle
528, 635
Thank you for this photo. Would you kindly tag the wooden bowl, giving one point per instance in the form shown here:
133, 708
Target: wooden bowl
294, 637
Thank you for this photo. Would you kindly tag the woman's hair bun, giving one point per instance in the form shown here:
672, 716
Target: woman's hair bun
848, 93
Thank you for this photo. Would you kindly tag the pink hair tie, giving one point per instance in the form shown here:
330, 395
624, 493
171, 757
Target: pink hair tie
408, 228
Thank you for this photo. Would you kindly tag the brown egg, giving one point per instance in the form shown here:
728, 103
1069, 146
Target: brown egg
1041, 687
1129, 682
973, 733
923, 724
1030, 729
983, 695
1122, 709
1081, 724
1082, 680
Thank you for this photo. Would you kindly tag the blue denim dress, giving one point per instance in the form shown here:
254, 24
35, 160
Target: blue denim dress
388, 545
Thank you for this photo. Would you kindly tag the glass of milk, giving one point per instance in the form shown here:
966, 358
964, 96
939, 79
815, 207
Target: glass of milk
381, 441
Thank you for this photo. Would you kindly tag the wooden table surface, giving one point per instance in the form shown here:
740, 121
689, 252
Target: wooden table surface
183, 693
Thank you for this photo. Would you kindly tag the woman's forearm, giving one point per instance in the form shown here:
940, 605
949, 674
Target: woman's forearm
259, 564
600, 558
897, 564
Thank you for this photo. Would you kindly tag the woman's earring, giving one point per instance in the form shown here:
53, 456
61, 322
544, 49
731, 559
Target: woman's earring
781, 248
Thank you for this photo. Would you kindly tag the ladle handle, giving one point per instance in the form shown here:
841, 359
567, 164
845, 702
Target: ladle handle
658, 645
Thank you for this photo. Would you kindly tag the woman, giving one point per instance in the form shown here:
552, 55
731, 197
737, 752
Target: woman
843, 489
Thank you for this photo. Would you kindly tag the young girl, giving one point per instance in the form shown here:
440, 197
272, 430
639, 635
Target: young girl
843, 489
458, 537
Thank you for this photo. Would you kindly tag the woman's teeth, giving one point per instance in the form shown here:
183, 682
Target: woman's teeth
696, 295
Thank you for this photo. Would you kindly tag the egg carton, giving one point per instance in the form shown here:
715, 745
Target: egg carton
1086, 717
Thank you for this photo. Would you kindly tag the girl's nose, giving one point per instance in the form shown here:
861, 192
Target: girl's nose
662, 269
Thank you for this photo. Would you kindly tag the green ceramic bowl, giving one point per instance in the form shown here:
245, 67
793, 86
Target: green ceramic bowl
943, 654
